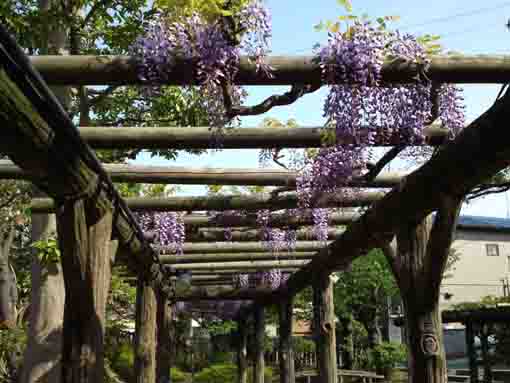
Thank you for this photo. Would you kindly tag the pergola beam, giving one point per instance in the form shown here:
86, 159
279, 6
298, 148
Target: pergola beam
202, 176
122, 70
203, 293
275, 220
250, 265
239, 247
233, 202
247, 234
228, 257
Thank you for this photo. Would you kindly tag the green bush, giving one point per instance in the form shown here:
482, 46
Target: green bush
226, 373
122, 361
386, 355
301, 344
219, 373
177, 375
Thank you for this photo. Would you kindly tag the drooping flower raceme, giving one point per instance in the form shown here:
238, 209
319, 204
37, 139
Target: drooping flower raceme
213, 49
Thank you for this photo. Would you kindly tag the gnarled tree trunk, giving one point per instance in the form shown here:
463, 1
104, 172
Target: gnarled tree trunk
41, 361
418, 261
85, 242
163, 353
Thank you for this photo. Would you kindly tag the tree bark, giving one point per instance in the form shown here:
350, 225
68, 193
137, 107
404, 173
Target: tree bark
163, 322
324, 326
260, 332
145, 335
43, 353
242, 352
418, 265
8, 288
287, 373
85, 242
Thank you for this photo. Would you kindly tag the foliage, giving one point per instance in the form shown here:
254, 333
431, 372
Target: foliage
301, 345
12, 344
386, 355
177, 375
47, 251
226, 373
122, 360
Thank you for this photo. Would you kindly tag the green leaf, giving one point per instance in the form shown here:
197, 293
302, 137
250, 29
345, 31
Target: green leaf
346, 4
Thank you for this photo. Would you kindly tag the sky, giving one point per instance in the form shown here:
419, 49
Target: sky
468, 26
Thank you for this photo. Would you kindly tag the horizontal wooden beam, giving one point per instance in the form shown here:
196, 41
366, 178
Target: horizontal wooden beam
201, 176
229, 257
239, 247
233, 202
122, 70
233, 272
221, 293
247, 234
275, 220
250, 265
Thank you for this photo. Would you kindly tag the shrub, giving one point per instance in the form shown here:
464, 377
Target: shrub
177, 375
219, 373
386, 355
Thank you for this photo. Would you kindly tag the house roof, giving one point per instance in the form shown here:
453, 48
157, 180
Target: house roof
469, 222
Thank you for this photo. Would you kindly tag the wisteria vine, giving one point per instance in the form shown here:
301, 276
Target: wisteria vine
362, 110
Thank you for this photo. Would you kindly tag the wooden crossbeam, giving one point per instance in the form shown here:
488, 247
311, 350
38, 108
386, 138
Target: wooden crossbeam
275, 220
250, 265
201, 176
122, 70
229, 257
234, 202
246, 234
238, 247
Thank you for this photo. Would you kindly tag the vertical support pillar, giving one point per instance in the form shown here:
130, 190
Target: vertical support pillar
145, 333
163, 353
85, 242
325, 338
260, 331
471, 352
242, 352
286, 353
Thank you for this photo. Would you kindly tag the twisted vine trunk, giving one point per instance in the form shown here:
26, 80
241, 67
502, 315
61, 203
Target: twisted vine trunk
287, 373
164, 341
85, 242
418, 262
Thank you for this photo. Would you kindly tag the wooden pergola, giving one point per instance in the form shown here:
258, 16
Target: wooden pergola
94, 221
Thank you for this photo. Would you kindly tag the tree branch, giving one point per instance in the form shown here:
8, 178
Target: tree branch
296, 92
438, 246
389, 156
93, 10
487, 189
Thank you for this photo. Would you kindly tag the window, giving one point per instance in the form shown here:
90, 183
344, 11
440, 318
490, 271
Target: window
492, 249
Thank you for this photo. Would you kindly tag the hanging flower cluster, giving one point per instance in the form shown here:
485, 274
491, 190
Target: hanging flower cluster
212, 46
168, 228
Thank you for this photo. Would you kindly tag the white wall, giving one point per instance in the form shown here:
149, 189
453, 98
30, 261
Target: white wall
476, 274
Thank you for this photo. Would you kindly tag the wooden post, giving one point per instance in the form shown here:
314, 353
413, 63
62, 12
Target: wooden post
163, 353
260, 332
286, 352
242, 352
85, 242
471, 352
324, 326
145, 335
